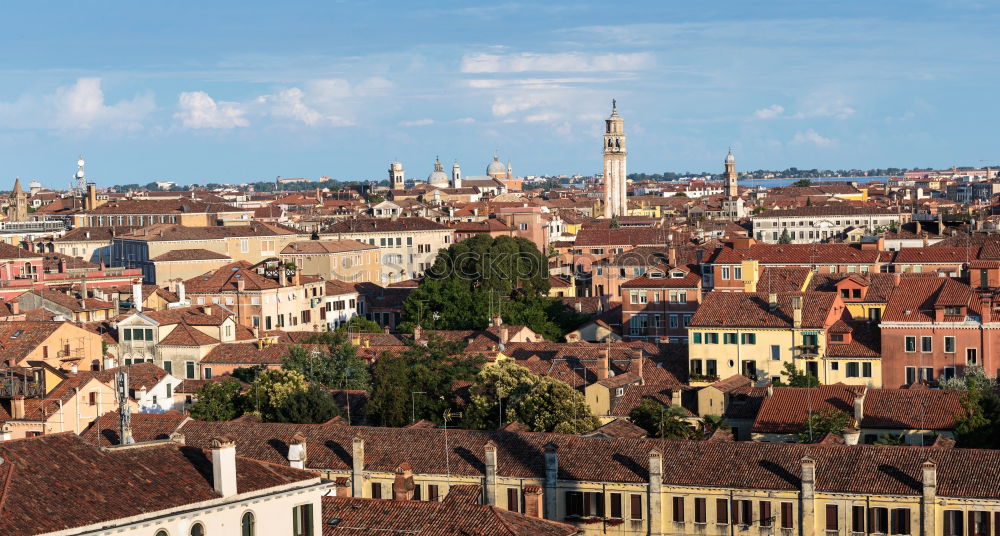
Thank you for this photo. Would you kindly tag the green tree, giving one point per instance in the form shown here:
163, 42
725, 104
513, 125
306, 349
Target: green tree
979, 425
218, 401
430, 370
802, 183
553, 406
817, 425
375, 199
891, 439
313, 405
501, 386
680, 194
270, 391
662, 421
796, 377
359, 324
613, 224
336, 367
785, 238
711, 423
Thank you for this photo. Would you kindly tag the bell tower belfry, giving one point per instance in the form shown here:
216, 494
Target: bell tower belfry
615, 172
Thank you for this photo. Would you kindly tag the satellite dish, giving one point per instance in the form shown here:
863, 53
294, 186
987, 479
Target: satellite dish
80, 162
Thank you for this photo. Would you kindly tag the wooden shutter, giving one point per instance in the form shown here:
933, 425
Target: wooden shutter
948, 516
679, 509
831, 517
636, 506
722, 511
700, 514
972, 524
986, 524
616, 505
858, 519
786, 515
765, 514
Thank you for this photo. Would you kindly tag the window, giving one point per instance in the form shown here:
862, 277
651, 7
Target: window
678, 508
927, 374
725, 273
432, 492
765, 513
579, 503
616, 505
832, 519
376, 490
852, 370
207, 373
711, 338
721, 512
857, 519
92, 396
737, 273
729, 338
696, 337
711, 367
948, 373
417, 495
748, 338
700, 510
953, 523
878, 520
302, 520
168, 366
925, 344
198, 529
189, 370
949, 345
900, 521
161, 533
911, 375
673, 321
910, 344
635, 506
971, 356
775, 352
866, 370
787, 521
244, 246
246, 524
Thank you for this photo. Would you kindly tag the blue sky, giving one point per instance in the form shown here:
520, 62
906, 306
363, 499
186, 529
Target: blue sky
239, 91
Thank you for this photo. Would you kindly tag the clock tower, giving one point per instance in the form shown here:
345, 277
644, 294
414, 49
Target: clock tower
615, 152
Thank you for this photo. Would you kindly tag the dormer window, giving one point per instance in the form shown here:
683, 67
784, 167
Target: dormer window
620, 391
952, 310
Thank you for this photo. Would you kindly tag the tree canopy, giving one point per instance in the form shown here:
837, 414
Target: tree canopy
662, 421
796, 378
817, 425
218, 401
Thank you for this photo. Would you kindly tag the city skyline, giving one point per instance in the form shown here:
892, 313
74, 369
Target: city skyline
255, 91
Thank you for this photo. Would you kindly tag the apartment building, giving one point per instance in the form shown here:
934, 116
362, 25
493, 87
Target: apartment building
659, 305
142, 212
268, 295
756, 333
817, 223
341, 260
252, 243
407, 246
637, 486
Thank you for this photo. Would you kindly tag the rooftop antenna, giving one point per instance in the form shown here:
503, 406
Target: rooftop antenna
124, 412
80, 177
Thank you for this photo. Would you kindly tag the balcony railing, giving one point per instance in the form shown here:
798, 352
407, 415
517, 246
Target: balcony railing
807, 351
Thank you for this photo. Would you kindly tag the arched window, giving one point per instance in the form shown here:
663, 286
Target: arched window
247, 524
161, 532
197, 529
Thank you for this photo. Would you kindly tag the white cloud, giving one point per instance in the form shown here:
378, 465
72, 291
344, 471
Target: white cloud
292, 104
824, 104
772, 111
416, 123
81, 106
198, 110
813, 137
558, 62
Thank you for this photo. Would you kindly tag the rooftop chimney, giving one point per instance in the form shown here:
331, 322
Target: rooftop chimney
675, 398
497, 320
604, 364
637, 362
17, 407
357, 466
297, 451
137, 297
772, 300
224, 465
402, 485
859, 406
896, 279
797, 311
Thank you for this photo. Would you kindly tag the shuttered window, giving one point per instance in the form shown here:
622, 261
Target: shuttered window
700, 510
616, 505
678, 509
635, 506
722, 511
786, 516
832, 517
765, 514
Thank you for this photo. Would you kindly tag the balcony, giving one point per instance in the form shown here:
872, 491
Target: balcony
807, 351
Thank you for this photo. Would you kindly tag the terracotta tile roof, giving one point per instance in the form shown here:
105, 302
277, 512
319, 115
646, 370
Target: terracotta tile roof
194, 315
103, 432
491, 225
860, 469
140, 375
744, 403
804, 254
185, 335
641, 236
226, 278
938, 255
189, 255
382, 225
733, 383
71, 302
618, 429
8, 251
691, 279
786, 410
635, 394
36, 463
451, 517
319, 247
166, 232
337, 288
838, 209
866, 341
783, 278
751, 310
162, 206
247, 354
54, 262
915, 299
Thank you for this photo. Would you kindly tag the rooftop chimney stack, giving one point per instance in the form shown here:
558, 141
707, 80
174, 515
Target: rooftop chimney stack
297, 451
224, 466
859, 407
357, 467
137, 297
797, 311
772, 301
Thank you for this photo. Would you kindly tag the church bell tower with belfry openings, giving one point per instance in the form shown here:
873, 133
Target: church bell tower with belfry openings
615, 203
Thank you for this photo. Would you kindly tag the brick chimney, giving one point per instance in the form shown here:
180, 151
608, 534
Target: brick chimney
604, 364
772, 301
796, 311
986, 309
282, 276
497, 320
896, 279
637, 360
402, 485
504, 335
808, 496
297, 451
418, 333
224, 465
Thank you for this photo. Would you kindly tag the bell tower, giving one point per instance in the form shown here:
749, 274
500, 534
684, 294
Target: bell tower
615, 152
732, 187
396, 176
456, 175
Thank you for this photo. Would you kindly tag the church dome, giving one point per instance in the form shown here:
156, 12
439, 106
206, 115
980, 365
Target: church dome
438, 177
496, 167
730, 159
